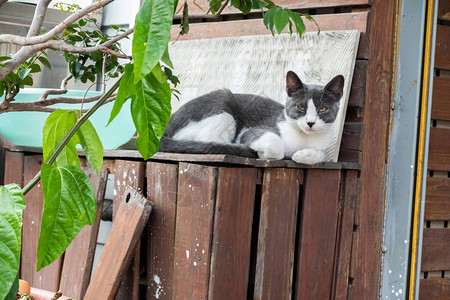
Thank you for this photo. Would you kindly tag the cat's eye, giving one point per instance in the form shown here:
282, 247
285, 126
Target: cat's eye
323, 109
302, 108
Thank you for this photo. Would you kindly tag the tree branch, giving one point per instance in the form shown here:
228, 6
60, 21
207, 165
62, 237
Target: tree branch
3, 2
26, 41
42, 106
28, 51
61, 91
38, 19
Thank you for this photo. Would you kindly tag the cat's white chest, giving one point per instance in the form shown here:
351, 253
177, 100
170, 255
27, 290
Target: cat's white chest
294, 139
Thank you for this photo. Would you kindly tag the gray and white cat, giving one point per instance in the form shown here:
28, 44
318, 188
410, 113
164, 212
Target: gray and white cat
253, 126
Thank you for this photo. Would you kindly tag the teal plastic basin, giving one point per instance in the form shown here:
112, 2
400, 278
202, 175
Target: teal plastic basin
25, 128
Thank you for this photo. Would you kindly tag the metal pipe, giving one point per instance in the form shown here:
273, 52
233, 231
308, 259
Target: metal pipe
426, 148
421, 158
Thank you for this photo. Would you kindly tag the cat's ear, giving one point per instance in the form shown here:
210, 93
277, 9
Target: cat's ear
293, 83
335, 88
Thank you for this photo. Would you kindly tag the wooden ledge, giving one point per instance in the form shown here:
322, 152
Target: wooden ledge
206, 158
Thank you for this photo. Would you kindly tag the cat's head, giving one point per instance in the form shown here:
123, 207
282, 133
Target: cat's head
313, 108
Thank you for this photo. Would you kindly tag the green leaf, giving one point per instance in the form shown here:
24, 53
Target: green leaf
151, 35
14, 289
35, 68
281, 19
268, 19
45, 62
17, 199
114, 27
166, 59
69, 204
11, 206
184, 24
56, 127
126, 91
4, 58
150, 109
91, 144
23, 72
75, 68
298, 22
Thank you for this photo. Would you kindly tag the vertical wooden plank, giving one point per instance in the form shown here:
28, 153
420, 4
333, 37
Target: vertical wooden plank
193, 233
318, 234
344, 242
162, 184
79, 256
128, 174
48, 277
13, 168
376, 119
277, 229
131, 217
230, 258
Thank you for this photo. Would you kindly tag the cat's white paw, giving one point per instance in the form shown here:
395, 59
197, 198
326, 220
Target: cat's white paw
269, 146
308, 156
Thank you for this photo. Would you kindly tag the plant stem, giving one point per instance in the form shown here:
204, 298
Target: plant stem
69, 135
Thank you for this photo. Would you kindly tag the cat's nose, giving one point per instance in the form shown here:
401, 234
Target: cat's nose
311, 124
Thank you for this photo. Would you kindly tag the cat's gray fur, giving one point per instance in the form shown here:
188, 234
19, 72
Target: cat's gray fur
253, 126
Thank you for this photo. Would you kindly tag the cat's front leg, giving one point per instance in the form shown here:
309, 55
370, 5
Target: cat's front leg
268, 146
309, 156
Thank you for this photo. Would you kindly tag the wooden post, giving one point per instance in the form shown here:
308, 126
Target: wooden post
162, 183
128, 174
193, 233
230, 258
277, 229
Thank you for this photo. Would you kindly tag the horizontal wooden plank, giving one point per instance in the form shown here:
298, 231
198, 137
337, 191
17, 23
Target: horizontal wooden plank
435, 249
439, 149
444, 10
440, 108
346, 21
437, 203
442, 58
434, 289
199, 8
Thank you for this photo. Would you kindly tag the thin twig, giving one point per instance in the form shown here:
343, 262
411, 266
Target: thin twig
69, 135
104, 72
61, 91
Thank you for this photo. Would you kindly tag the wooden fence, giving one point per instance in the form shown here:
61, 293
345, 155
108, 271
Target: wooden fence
217, 230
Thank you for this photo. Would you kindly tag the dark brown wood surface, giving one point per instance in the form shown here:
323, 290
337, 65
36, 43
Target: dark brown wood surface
358, 88
13, 172
376, 115
318, 232
79, 256
351, 148
444, 10
439, 149
230, 255
130, 220
162, 183
201, 7
437, 201
442, 51
345, 21
277, 229
193, 232
48, 277
440, 108
434, 289
128, 174
435, 249
345, 235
